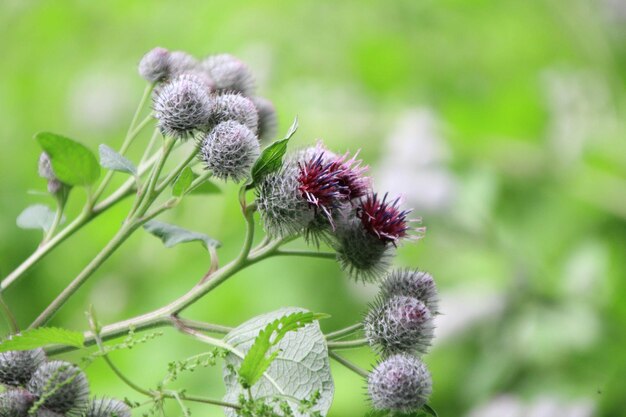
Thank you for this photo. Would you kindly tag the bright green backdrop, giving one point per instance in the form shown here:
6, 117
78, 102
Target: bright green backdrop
527, 242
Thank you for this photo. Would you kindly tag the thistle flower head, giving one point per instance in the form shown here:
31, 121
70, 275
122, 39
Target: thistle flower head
412, 283
182, 107
351, 180
155, 65
18, 366
180, 62
361, 255
235, 107
383, 218
107, 407
229, 74
198, 77
63, 386
268, 122
400, 383
16, 403
283, 211
319, 184
399, 324
230, 150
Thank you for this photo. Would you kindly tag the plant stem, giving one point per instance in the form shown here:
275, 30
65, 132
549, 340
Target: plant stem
9, 316
344, 332
58, 216
354, 368
307, 253
348, 344
95, 263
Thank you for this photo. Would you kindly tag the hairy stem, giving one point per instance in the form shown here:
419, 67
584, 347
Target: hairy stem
337, 334
354, 368
347, 345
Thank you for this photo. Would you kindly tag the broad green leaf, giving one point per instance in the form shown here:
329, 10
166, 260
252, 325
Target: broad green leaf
256, 360
36, 216
183, 182
172, 235
42, 336
271, 158
112, 160
72, 162
299, 369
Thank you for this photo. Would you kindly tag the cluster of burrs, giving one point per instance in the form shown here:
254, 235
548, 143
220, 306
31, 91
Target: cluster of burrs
36, 387
213, 101
399, 325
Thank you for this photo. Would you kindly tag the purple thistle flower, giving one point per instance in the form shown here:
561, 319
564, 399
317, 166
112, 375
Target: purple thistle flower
383, 218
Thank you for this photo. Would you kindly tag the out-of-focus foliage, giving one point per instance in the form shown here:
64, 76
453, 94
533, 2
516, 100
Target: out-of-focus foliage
501, 122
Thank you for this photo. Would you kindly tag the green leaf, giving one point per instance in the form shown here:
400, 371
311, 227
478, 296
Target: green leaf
182, 183
72, 162
172, 235
112, 160
37, 216
429, 410
271, 158
207, 187
256, 360
42, 336
299, 369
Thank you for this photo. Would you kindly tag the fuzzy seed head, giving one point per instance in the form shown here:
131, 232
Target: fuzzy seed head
235, 107
400, 383
412, 283
361, 255
18, 366
230, 74
383, 219
64, 387
182, 107
107, 407
230, 150
155, 65
16, 403
283, 212
268, 121
180, 62
399, 324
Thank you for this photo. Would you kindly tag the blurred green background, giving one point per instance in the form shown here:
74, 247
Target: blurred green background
501, 123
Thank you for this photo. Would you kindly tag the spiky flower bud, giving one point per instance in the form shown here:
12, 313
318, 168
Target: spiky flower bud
399, 324
412, 283
400, 383
155, 65
182, 107
180, 62
16, 403
383, 219
18, 366
45, 171
235, 107
282, 209
360, 254
107, 407
229, 74
198, 77
62, 386
230, 150
268, 122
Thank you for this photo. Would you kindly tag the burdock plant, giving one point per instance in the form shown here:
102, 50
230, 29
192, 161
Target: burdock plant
276, 364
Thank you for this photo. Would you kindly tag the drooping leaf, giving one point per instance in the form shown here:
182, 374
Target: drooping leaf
172, 235
37, 216
112, 160
183, 182
256, 360
72, 162
271, 158
42, 336
299, 369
